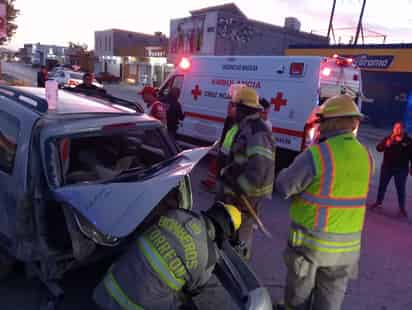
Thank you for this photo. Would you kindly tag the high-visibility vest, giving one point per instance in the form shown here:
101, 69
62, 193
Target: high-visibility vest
335, 200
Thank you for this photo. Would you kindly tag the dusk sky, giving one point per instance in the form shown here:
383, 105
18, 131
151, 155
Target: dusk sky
58, 21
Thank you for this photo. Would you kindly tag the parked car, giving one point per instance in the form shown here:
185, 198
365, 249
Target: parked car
106, 77
69, 79
78, 182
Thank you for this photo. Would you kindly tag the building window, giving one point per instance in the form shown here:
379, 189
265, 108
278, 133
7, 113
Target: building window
105, 43
110, 44
9, 131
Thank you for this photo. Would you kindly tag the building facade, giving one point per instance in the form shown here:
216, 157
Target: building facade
43, 54
226, 30
386, 77
132, 56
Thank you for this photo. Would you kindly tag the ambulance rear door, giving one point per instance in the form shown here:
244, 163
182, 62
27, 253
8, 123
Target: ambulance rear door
339, 75
291, 85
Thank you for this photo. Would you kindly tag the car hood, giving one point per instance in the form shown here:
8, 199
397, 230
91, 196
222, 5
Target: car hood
118, 206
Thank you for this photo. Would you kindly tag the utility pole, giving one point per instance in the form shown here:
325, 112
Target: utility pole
332, 14
358, 30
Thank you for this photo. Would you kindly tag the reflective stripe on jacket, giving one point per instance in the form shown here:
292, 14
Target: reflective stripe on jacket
117, 293
177, 248
174, 253
252, 158
334, 203
228, 140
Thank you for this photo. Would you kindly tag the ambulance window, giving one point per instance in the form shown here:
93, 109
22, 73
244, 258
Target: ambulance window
176, 81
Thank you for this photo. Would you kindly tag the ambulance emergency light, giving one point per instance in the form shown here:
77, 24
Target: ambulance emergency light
184, 64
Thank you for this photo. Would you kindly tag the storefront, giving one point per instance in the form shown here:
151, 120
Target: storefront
386, 76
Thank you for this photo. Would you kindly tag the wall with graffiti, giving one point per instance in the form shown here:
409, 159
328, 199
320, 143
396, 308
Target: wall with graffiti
235, 29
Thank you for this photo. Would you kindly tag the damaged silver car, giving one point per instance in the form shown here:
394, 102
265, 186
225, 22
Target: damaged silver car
78, 182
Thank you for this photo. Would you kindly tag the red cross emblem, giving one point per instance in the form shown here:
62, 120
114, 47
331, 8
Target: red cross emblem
196, 92
279, 101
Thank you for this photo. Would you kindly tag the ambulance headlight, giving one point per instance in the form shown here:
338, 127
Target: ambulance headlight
311, 134
326, 71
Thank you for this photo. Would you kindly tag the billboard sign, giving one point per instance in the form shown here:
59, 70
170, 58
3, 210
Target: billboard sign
365, 61
186, 35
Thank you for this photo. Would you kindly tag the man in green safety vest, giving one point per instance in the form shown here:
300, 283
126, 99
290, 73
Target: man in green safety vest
173, 257
248, 169
329, 184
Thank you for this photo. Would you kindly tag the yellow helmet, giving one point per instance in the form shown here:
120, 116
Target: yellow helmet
248, 97
226, 218
235, 216
339, 106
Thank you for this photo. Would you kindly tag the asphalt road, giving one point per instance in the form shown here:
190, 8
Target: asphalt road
385, 278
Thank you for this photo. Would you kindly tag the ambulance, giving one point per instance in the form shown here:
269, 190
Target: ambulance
294, 85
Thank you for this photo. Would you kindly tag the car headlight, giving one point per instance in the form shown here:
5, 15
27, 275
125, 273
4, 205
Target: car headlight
91, 232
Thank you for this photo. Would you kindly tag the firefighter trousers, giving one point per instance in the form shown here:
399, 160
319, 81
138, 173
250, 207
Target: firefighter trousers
312, 287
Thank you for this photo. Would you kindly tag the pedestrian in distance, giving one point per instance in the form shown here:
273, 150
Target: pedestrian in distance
397, 164
174, 112
154, 107
88, 87
42, 77
173, 258
327, 210
248, 164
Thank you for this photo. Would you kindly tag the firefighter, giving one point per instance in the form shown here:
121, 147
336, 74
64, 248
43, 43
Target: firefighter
174, 257
248, 161
329, 183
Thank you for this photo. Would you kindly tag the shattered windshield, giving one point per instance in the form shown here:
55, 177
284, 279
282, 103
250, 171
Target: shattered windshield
104, 155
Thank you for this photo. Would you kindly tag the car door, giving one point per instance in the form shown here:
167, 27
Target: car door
9, 134
16, 123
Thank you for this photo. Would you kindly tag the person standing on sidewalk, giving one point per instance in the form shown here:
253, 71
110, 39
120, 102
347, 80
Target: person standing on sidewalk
174, 112
397, 163
329, 183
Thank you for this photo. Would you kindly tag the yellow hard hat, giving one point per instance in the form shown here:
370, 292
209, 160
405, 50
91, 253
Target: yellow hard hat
339, 106
248, 97
235, 216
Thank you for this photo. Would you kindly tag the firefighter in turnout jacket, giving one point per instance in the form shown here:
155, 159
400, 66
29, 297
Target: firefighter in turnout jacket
248, 150
329, 184
173, 257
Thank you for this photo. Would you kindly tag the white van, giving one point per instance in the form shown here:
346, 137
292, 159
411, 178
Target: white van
294, 85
